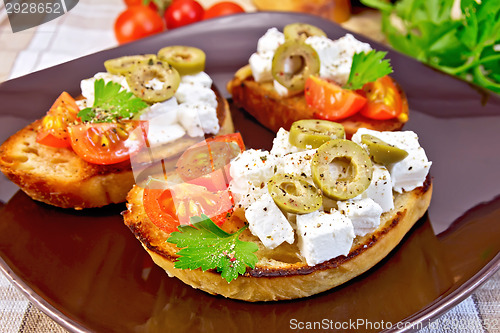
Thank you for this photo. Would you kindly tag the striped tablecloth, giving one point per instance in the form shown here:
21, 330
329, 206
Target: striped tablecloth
91, 24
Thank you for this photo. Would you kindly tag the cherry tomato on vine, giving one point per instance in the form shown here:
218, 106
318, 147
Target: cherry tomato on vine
183, 12
137, 22
223, 8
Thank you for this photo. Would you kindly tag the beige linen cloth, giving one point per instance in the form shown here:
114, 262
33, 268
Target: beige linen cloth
89, 28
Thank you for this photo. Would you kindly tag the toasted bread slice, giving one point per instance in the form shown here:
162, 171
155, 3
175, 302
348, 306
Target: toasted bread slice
281, 273
274, 111
59, 177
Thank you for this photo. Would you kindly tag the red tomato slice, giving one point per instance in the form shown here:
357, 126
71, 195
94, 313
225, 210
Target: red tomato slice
384, 99
54, 129
169, 208
207, 163
329, 101
107, 143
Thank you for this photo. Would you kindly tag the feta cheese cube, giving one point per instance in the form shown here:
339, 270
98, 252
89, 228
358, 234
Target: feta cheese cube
168, 107
323, 236
298, 163
324, 46
87, 85
270, 41
201, 78
267, 222
162, 131
336, 56
348, 45
253, 167
198, 119
364, 214
246, 193
261, 65
195, 93
327, 53
282, 145
380, 189
409, 173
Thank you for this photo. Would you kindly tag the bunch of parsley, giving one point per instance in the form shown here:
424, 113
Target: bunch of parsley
465, 45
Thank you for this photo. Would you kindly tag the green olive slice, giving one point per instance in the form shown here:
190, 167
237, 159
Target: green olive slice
123, 65
341, 169
293, 194
153, 82
185, 59
312, 133
301, 31
381, 151
293, 63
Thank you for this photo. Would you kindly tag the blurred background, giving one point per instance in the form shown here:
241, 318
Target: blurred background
94, 25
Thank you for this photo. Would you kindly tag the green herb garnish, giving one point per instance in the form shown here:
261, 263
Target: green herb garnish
367, 67
111, 103
462, 41
204, 245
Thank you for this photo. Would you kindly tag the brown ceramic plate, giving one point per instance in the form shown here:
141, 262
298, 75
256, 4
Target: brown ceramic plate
87, 271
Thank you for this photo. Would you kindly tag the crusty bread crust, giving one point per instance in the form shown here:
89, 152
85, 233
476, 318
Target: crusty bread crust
273, 111
281, 273
59, 177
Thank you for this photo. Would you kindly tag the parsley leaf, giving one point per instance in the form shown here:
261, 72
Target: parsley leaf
367, 67
204, 245
111, 103
461, 41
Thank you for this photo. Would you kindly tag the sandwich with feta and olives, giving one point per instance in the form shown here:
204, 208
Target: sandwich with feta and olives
302, 74
310, 214
79, 154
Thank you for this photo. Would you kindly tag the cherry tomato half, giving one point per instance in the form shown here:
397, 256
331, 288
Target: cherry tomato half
384, 99
54, 129
169, 208
330, 101
207, 163
183, 12
137, 22
223, 8
107, 143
